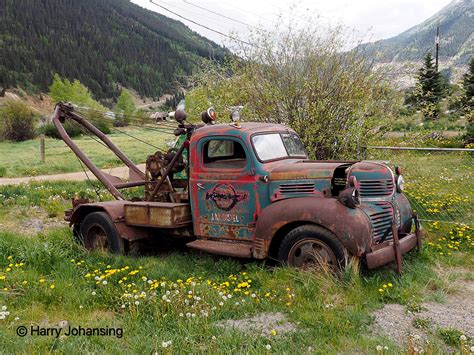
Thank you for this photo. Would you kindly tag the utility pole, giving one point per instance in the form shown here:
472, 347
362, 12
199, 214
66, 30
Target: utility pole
437, 46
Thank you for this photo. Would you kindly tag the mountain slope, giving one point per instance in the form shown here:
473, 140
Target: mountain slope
100, 42
456, 24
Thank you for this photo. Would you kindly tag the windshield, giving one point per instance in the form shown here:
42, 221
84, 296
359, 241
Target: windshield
273, 146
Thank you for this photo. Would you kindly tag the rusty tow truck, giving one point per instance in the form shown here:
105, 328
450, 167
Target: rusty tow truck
248, 190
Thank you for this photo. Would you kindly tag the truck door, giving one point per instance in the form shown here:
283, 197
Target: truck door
223, 189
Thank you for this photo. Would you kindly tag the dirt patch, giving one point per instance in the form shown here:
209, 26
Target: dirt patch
121, 172
33, 221
262, 324
397, 323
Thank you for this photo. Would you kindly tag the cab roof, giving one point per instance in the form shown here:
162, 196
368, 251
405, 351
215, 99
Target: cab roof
246, 128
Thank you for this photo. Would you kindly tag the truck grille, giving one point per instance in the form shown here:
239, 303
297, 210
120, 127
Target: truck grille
382, 221
301, 188
376, 188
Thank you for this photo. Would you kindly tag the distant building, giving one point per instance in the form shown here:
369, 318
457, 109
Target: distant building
159, 116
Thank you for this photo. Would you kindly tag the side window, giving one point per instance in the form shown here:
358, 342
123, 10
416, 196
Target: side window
224, 153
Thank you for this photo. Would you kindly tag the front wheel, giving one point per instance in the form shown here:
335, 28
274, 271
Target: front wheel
97, 232
311, 246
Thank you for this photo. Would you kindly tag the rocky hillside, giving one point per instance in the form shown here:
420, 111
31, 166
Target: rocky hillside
456, 25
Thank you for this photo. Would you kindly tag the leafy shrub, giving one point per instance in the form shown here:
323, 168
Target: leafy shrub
102, 125
120, 122
17, 121
50, 130
72, 129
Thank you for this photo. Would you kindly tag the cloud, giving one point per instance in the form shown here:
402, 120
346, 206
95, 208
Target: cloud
371, 19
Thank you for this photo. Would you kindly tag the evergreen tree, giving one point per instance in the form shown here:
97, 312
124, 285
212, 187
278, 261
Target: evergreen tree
430, 88
468, 101
102, 43
468, 84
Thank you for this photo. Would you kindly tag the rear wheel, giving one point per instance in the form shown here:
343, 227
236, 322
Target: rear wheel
98, 232
311, 246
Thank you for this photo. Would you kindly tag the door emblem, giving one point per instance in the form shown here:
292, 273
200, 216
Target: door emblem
225, 197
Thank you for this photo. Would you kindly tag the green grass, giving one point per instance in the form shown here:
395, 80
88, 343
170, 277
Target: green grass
23, 158
332, 313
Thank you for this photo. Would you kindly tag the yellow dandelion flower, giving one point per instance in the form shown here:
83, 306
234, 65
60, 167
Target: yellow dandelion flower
9, 257
8, 269
53, 286
273, 332
2, 277
390, 284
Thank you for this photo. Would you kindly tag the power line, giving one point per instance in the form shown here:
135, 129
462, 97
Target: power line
136, 119
251, 13
187, 11
222, 15
203, 26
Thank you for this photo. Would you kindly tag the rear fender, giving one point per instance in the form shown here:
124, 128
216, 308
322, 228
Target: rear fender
350, 226
115, 209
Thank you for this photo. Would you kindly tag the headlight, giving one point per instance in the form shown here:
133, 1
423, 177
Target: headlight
399, 180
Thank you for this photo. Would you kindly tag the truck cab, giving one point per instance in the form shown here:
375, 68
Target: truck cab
252, 186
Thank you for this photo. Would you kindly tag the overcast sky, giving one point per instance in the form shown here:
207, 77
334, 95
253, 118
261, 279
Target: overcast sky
369, 19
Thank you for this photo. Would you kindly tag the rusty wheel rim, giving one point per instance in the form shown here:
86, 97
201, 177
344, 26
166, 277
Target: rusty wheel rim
311, 253
97, 239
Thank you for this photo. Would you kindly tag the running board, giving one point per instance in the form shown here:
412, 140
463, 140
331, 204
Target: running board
227, 248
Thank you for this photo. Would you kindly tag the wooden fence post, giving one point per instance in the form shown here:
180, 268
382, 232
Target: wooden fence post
42, 148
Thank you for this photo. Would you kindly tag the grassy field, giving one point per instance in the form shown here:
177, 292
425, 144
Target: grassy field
179, 297
172, 301
23, 158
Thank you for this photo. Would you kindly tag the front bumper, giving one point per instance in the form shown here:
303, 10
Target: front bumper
393, 250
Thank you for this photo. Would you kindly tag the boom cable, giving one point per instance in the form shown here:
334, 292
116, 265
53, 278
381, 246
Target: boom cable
138, 139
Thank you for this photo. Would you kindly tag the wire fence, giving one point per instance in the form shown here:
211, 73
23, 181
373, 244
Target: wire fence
439, 181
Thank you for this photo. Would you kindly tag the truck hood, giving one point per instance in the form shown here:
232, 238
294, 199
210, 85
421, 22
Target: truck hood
304, 169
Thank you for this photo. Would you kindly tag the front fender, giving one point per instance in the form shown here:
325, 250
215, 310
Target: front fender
351, 226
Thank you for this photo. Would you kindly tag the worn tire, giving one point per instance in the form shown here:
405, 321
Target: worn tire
308, 246
98, 232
